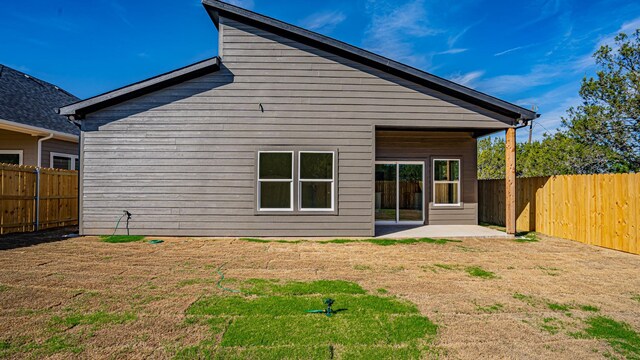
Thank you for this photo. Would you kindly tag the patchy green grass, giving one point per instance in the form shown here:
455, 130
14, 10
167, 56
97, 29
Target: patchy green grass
382, 291
559, 307
56, 344
467, 248
526, 237
361, 267
447, 266
4, 287
525, 298
621, 336
270, 321
272, 241
388, 242
95, 319
551, 325
636, 297
493, 226
58, 341
521, 237
115, 239
265, 287
490, 308
477, 271
339, 241
196, 281
380, 242
589, 308
551, 271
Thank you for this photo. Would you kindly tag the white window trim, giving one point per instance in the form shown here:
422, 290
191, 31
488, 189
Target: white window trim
20, 154
459, 182
72, 157
258, 187
332, 180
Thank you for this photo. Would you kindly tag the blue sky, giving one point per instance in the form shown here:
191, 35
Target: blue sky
532, 53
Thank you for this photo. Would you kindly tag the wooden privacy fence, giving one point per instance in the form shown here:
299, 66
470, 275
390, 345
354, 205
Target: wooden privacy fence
56, 206
602, 210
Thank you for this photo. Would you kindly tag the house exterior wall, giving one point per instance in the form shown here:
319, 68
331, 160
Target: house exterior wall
427, 146
57, 146
183, 159
11, 140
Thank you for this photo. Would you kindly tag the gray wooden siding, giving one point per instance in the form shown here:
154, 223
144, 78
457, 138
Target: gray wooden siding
182, 159
427, 146
58, 146
11, 140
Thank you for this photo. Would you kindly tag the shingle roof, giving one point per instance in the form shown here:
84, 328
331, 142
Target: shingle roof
31, 101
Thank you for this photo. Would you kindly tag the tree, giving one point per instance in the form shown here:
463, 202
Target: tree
554, 155
602, 135
491, 158
607, 123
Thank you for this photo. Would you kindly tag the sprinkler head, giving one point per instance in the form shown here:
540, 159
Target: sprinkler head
329, 302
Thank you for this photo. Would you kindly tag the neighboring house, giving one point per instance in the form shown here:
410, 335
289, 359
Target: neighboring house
31, 131
286, 133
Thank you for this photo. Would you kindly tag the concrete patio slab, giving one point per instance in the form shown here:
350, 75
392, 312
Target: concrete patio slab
437, 231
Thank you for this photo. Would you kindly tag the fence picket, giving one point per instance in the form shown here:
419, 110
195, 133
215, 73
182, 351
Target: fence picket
597, 209
58, 198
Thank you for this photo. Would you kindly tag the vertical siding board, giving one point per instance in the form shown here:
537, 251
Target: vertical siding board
599, 209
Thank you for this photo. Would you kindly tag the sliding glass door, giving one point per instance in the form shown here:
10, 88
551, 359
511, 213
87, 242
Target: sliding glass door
399, 190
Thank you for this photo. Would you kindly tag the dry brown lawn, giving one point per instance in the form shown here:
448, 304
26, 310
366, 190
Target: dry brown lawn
143, 290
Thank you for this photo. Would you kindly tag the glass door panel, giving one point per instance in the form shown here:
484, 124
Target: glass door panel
386, 186
411, 185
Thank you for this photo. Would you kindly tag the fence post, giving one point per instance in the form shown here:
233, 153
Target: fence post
37, 199
510, 181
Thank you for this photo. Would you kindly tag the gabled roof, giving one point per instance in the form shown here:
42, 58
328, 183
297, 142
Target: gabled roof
217, 8
81, 108
32, 102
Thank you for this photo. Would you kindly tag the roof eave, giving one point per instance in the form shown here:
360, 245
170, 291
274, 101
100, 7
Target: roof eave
36, 131
216, 8
79, 109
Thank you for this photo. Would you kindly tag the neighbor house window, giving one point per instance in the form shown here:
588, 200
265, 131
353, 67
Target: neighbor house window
63, 161
316, 183
11, 157
446, 182
275, 180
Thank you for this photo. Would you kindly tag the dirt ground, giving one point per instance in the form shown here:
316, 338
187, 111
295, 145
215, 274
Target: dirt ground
503, 317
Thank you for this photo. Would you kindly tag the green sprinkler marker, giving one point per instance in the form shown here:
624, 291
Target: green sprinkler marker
328, 311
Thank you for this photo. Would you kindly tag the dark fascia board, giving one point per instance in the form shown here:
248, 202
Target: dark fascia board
217, 8
79, 109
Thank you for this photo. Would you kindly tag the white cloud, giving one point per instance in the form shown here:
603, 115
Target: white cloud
468, 79
393, 29
324, 21
544, 9
628, 27
539, 75
513, 49
120, 11
452, 51
454, 39
246, 4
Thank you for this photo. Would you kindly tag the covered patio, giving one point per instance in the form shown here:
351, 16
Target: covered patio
438, 231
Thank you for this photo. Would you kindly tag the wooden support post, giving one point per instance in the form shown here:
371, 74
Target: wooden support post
510, 185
